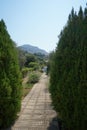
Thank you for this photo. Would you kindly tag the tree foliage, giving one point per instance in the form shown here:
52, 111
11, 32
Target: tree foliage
21, 57
10, 79
34, 65
29, 58
69, 72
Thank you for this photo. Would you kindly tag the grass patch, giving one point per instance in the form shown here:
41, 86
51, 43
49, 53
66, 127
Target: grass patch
26, 89
29, 81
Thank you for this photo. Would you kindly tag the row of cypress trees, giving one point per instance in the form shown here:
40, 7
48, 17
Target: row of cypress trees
68, 82
10, 79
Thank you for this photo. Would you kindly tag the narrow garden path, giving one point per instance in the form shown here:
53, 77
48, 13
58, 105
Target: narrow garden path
37, 112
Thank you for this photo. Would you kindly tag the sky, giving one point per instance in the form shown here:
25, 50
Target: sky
37, 22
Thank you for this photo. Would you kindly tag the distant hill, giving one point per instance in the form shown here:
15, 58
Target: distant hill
32, 49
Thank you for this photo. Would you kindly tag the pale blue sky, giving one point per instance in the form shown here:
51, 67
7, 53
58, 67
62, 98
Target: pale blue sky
37, 22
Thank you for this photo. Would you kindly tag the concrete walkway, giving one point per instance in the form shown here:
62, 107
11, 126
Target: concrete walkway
37, 112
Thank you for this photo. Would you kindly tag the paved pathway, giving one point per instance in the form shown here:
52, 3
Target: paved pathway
37, 112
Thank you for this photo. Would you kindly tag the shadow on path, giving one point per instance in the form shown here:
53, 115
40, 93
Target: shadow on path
53, 124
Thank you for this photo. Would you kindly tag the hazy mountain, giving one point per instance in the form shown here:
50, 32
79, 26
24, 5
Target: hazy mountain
32, 49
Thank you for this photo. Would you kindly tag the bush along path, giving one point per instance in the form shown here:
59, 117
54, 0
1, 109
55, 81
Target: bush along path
37, 112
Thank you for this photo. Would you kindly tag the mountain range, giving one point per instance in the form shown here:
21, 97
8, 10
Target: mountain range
32, 49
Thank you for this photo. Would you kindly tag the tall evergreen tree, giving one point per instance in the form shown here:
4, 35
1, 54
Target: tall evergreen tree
69, 73
10, 79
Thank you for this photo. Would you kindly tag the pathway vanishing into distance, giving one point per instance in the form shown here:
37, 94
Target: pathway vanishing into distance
37, 112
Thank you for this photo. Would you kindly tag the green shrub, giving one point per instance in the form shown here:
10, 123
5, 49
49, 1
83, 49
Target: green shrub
25, 71
33, 77
34, 65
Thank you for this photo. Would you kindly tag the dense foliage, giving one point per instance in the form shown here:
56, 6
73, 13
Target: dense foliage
34, 77
69, 73
10, 79
28, 61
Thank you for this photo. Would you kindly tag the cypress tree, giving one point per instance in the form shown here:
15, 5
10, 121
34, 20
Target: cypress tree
10, 79
69, 73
